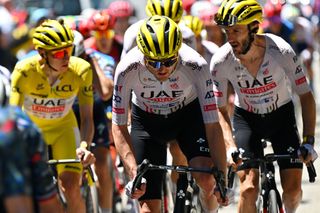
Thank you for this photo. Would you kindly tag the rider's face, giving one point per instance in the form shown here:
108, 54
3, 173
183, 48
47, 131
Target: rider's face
59, 59
238, 38
104, 40
162, 69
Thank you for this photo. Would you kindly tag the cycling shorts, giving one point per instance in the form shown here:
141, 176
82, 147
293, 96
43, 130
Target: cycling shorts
278, 126
150, 134
63, 141
101, 131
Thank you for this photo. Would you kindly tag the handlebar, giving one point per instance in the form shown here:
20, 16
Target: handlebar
274, 157
146, 166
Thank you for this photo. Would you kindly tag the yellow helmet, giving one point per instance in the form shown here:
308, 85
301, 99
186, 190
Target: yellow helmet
52, 34
171, 8
232, 12
194, 23
159, 38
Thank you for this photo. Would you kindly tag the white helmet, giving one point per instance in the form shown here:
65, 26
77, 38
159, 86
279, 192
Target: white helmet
4, 87
78, 48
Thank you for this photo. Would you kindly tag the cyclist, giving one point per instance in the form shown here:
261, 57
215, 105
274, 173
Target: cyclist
103, 39
25, 176
172, 98
204, 47
103, 68
46, 85
123, 11
170, 8
257, 67
206, 10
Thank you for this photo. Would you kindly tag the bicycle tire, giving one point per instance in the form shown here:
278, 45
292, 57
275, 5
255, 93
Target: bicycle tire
90, 195
272, 202
259, 204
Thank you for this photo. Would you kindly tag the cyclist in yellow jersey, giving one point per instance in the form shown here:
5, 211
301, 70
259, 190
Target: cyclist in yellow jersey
46, 87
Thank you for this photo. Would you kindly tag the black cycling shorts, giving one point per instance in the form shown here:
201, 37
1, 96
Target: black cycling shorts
101, 131
150, 134
278, 126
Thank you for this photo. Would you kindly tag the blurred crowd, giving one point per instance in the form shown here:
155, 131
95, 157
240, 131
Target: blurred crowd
297, 21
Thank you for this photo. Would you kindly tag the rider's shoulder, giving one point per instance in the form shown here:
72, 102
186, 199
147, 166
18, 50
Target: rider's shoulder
28, 64
131, 61
190, 57
223, 55
210, 46
79, 66
277, 45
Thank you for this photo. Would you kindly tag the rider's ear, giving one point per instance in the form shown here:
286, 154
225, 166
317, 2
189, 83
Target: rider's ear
254, 27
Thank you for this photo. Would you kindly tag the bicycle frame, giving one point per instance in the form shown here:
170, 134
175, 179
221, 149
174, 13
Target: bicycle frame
269, 192
182, 181
88, 186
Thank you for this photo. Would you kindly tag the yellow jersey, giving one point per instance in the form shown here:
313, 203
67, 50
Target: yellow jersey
50, 106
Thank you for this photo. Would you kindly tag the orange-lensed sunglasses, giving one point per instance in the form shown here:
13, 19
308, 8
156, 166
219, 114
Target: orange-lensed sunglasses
62, 53
108, 34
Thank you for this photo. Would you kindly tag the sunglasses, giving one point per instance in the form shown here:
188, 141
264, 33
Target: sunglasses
157, 64
108, 34
62, 53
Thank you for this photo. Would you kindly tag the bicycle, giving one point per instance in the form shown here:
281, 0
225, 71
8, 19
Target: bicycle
269, 200
183, 183
88, 185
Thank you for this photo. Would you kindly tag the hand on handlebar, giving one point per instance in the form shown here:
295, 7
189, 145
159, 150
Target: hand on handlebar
234, 157
307, 153
137, 192
85, 155
228, 199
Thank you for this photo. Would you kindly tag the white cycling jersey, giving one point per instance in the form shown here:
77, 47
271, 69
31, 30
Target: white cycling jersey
129, 39
210, 49
268, 91
190, 80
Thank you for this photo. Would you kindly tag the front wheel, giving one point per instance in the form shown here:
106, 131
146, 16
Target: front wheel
272, 202
259, 204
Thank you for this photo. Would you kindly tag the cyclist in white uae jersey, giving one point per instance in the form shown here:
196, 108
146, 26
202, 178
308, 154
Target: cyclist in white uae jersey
172, 9
258, 66
267, 91
204, 47
172, 98
166, 97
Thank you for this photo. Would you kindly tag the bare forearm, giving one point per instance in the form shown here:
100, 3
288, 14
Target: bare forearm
217, 146
103, 84
225, 123
124, 148
86, 131
308, 108
86, 126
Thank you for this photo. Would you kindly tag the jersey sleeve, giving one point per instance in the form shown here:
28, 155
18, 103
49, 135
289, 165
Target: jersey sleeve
17, 85
85, 94
294, 71
129, 39
123, 80
188, 36
220, 82
203, 82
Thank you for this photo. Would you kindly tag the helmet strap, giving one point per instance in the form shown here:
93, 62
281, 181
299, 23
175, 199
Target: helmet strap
252, 32
47, 62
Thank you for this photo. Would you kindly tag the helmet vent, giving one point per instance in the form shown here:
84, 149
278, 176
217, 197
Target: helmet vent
150, 29
50, 36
